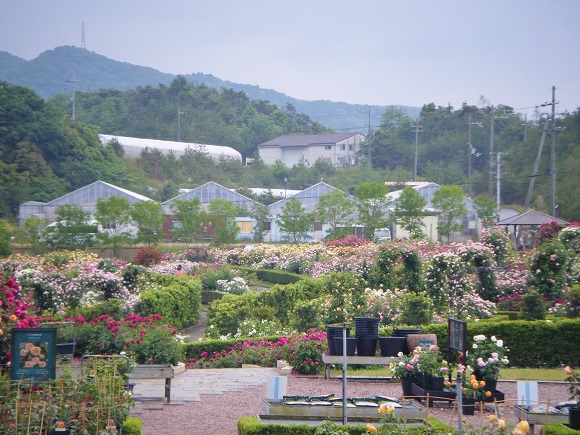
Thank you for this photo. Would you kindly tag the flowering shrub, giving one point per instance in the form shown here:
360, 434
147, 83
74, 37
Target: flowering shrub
236, 286
404, 366
573, 379
303, 351
487, 356
257, 328
547, 232
148, 256
351, 241
429, 360
548, 270
145, 340
499, 242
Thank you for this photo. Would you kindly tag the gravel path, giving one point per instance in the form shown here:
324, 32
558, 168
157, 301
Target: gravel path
219, 413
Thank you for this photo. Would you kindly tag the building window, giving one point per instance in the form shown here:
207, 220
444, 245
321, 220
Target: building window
342, 147
245, 226
176, 224
327, 147
317, 226
350, 147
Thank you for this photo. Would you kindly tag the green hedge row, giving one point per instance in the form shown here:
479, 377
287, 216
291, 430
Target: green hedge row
208, 296
538, 343
176, 298
273, 276
253, 426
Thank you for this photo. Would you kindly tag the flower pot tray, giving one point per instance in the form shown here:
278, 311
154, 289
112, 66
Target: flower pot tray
328, 360
448, 396
534, 418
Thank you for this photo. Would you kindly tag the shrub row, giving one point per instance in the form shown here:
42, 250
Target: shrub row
208, 296
278, 302
274, 276
194, 349
537, 343
253, 426
176, 298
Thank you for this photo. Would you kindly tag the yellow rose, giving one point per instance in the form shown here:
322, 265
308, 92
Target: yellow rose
482, 383
488, 393
518, 432
492, 418
13, 317
371, 428
500, 424
524, 426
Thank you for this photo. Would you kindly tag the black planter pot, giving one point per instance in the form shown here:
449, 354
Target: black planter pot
574, 418
331, 333
490, 384
391, 346
366, 346
366, 326
438, 383
350, 346
407, 386
468, 407
425, 381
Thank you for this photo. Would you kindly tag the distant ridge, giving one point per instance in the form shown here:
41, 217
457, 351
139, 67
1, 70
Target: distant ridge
48, 74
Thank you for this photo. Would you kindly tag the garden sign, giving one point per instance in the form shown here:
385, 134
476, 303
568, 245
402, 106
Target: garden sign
33, 354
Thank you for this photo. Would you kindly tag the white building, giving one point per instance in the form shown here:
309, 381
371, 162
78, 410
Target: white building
338, 149
133, 147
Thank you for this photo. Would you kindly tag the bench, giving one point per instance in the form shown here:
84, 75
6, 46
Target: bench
328, 360
152, 371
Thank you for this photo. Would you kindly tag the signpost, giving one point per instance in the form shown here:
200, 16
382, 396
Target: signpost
457, 332
33, 354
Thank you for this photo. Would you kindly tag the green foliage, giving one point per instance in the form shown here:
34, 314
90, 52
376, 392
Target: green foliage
112, 307
5, 235
498, 240
344, 298
132, 426
486, 210
532, 343
222, 214
533, 306
573, 308
448, 200
334, 209
176, 298
416, 309
305, 315
191, 218
113, 215
372, 202
409, 212
548, 269
31, 233
72, 229
148, 217
208, 296
295, 223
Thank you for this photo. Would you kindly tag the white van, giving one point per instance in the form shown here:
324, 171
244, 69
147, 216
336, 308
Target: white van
382, 234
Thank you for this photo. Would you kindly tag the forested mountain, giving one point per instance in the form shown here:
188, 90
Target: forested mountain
49, 73
45, 154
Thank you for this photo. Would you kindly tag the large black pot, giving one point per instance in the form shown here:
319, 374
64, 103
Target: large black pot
391, 346
331, 333
367, 326
366, 346
574, 418
350, 346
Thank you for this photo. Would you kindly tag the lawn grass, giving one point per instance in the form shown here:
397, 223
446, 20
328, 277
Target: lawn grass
515, 374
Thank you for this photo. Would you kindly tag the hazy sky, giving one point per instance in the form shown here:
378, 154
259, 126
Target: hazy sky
368, 52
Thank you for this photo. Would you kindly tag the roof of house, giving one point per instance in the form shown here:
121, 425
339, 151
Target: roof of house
304, 140
531, 217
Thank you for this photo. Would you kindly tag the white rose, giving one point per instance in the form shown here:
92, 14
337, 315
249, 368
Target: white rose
474, 346
499, 343
493, 338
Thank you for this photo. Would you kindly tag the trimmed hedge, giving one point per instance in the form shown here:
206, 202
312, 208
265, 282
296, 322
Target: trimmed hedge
208, 296
252, 426
537, 343
176, 298
274, 276
559, 429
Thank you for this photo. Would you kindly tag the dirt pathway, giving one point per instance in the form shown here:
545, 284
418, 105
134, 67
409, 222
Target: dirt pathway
195, 332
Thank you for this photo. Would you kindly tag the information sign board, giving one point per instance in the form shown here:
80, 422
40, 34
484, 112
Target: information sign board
33, 354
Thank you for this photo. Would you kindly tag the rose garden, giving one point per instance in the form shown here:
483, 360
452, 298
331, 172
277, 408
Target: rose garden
271, 302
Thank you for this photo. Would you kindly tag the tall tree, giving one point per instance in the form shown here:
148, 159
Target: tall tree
222, 215
409, 212
449, 202
148, 217
486, 209
73, 228
113, 215
295, 222
31, 233
191, 218
334, 209
371, 204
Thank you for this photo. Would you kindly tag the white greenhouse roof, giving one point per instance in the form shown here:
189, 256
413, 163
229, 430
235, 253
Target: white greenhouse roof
133, 147
208, 192
88, 195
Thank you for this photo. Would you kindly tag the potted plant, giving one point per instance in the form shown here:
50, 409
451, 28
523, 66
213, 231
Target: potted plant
486, 358
472, 390
404, 367
573, 378
431, 367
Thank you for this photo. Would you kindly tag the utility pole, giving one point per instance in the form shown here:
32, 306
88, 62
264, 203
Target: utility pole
83, 43
179, 113
553, 153
491, 153
525, 124
417, 129
73, 82
469, 152
369, 138
498, 187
